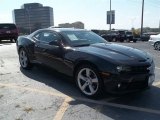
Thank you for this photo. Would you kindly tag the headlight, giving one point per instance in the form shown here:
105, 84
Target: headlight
123, 68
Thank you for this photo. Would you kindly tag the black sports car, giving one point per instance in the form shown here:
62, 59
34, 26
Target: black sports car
95, 64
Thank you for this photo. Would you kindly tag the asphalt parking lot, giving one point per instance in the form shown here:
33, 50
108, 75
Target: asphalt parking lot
43, 94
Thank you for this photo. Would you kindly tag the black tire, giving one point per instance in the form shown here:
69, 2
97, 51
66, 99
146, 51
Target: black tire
93, 73
134, 41
114, 39
128, 40
121, 40
156, 44
24, 59
11, 40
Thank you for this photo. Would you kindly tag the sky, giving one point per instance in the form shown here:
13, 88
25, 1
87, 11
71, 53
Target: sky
92, 12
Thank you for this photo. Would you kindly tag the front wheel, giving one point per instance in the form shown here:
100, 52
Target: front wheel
24, 60
157, 46
89, 81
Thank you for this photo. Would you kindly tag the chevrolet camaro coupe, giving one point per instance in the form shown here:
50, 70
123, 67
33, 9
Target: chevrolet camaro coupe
95, 64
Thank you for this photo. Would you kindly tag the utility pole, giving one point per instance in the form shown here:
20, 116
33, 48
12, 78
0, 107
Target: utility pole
159, 25
110, 17
142, 17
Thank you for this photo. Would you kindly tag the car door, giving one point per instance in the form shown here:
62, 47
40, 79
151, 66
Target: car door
38, 54
48, 53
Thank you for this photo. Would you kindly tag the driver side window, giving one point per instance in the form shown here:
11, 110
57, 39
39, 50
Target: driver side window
47, 36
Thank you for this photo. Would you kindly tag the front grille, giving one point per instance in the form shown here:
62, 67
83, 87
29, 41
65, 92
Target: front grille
140, 69
137, 85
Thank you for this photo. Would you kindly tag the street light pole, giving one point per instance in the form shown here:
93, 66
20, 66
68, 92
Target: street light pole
159, 25
142, 17
110, 17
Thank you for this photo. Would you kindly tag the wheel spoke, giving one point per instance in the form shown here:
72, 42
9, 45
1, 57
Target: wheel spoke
84, 86
82, 77
22, 53
25, 59
23, 63
91, 89
87, 72
94, 80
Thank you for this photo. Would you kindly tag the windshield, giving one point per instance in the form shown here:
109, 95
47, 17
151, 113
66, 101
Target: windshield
82, 38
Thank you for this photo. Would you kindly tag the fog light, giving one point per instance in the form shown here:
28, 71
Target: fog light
119, 85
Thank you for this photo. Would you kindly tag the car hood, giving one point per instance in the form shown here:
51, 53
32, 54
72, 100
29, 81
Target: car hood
115, 52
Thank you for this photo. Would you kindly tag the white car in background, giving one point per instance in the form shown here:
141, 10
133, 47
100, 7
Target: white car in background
155, 41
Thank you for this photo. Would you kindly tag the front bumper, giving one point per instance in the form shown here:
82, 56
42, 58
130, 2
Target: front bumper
126, 84
129, 82
8, 36
152, 42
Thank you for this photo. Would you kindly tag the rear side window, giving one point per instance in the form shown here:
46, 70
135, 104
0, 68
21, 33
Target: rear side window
46, 36
8, 26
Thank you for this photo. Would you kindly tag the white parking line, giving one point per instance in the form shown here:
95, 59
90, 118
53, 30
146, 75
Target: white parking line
141, 109
157, 68
68, 98
156, 83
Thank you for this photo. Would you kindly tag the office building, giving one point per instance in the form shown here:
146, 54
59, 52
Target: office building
78, 24
33, 16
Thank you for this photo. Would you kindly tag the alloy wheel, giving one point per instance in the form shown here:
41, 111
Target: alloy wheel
23, 58
157, 46
88, 81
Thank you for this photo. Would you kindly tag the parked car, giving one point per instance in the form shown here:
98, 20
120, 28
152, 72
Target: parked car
114, 35
155, 41
121, 35
146, 36
110, 36
95, 64
129, 36
8, 31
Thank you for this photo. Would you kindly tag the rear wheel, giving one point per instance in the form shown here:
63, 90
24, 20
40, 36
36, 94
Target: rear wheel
128, 40
24, 60
121, 40
13, 40
157, 46
88, 81
114, 39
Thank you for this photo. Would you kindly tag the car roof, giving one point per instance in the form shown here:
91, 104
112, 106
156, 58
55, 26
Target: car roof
65, 29
56, 29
